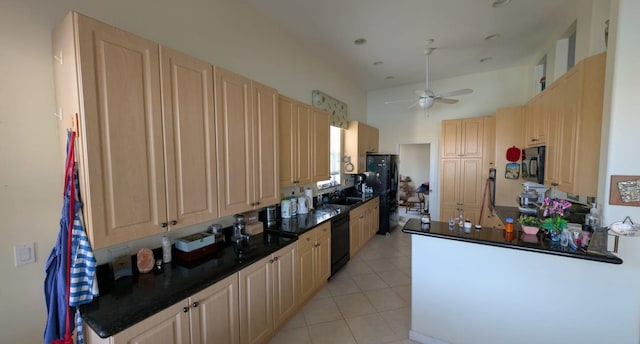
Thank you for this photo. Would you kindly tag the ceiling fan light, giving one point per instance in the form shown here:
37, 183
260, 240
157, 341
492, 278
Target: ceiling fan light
425, 102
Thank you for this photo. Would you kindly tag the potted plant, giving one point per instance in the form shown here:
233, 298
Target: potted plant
530, 224
553, 213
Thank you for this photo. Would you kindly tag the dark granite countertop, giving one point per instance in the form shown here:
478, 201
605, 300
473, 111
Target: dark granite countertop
301, 223
496, 237
134, 299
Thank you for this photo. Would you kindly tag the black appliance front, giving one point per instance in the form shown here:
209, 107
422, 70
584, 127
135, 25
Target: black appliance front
382, 176
534, 160
339, 242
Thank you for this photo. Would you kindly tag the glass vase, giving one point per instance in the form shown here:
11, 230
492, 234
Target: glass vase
554, 235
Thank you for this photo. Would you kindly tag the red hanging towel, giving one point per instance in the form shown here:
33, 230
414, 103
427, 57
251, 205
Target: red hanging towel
59, 326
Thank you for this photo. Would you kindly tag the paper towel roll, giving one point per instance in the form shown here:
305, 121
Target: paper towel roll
308, 193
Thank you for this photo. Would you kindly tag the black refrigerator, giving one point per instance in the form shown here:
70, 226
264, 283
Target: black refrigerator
382, 176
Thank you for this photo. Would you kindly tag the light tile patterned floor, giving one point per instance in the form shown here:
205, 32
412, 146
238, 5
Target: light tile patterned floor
367, 302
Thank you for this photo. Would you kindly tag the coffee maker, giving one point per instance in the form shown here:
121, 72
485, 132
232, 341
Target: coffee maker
360, 180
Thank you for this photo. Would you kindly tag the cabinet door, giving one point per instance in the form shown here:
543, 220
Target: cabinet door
451, 139
288, 147
256, 312
375, 213
450, 183
356, 227
214, 313
306, 268
284, 284
472, 137
121, 150
321, 145
265, 128
169, 326
189, 136
234, 142
323, 253
471, 184
304, 143
570, 89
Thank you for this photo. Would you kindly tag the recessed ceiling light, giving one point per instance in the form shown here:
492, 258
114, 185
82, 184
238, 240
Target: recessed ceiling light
377, 63
389, 77
490, 37
500, 3
360, 41
485, 59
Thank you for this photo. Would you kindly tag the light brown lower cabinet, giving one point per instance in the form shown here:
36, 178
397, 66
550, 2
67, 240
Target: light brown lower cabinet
267, 295
363, 225
314, 260
210, 316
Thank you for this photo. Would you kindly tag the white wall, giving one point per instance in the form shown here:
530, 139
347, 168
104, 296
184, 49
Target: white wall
228, 33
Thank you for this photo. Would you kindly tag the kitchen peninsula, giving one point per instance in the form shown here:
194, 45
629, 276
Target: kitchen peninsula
489, 287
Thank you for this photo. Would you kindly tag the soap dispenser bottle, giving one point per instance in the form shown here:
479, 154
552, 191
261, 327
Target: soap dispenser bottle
593, 218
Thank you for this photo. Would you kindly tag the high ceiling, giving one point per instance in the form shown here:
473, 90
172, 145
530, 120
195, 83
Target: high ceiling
395, 33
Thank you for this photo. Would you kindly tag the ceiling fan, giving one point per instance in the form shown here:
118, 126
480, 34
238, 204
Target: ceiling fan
426, 97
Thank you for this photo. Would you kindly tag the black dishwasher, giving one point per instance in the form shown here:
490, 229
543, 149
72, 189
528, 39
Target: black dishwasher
339, 242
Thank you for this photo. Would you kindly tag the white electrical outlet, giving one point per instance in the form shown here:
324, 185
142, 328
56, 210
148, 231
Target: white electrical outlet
24, 254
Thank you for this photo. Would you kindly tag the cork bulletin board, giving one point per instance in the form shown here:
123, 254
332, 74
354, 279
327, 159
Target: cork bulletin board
625, 190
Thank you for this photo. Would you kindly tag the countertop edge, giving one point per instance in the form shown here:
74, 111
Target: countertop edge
595, 258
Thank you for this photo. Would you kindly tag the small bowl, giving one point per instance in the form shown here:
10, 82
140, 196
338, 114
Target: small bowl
531, 230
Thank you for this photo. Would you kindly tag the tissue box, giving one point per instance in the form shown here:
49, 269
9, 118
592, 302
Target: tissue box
253, 228
195, 241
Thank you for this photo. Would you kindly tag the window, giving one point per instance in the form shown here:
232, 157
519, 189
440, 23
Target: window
335, 157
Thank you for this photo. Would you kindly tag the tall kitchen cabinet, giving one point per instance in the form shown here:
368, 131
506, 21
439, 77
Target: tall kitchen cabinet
314, 260
304, 143
108, 87
462, 167
575, 110
247, 144
267, 295
360, 139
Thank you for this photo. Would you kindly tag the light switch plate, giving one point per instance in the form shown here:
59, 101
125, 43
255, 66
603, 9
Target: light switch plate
24, 254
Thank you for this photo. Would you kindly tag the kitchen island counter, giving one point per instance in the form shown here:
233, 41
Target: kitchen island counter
497, 237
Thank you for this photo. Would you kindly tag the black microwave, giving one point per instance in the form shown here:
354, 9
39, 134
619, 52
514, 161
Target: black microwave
533, 160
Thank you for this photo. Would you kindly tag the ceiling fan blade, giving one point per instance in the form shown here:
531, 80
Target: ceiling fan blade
445, 100
399, 101
413, 105
456, 93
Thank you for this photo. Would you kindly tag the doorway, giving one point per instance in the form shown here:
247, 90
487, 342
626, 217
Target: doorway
416, 169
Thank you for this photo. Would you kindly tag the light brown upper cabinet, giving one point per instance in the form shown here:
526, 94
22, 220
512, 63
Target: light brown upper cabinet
247, 131
360, 139
462, 138
536, 121
116, 96
304, 143
321, 144
190, 138
294, 120
575, 113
